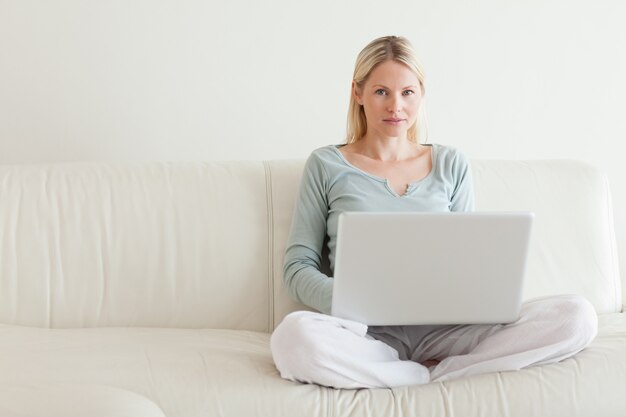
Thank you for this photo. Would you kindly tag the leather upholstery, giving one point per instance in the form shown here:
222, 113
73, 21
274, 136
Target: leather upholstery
167, 245
210, 372
155, 285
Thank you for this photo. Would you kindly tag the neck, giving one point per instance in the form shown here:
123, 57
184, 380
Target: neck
387, 149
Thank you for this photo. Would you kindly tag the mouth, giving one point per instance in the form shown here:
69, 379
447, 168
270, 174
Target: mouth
393, 120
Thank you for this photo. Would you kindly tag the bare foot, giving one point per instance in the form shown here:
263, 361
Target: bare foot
430, 362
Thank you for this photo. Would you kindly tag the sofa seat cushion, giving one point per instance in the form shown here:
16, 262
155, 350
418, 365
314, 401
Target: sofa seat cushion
185, 372
202, 372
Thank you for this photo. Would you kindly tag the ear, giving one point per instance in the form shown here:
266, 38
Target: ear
356, 93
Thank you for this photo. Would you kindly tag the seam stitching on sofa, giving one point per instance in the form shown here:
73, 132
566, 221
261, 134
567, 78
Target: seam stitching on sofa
270, 244
330, 402
614, 263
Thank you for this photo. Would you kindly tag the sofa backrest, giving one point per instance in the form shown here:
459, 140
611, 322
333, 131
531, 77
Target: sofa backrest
152, 244
200, 245
573, 248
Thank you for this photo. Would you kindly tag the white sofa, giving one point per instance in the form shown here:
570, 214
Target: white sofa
150, 289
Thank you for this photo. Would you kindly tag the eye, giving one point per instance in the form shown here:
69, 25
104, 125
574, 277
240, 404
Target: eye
408, 92
380, 92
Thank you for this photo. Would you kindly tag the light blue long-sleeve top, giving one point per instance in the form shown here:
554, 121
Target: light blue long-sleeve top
331, 185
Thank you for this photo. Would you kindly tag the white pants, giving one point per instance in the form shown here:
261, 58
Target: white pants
317, 348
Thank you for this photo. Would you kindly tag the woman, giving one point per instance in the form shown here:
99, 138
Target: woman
383, 167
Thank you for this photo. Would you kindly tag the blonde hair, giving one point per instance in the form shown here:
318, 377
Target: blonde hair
394, 48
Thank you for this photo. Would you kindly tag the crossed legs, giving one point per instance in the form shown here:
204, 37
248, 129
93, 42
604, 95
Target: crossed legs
317, 348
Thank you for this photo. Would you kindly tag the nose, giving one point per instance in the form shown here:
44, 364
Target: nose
395, 104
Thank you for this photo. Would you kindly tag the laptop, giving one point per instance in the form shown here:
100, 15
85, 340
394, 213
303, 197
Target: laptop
430, 268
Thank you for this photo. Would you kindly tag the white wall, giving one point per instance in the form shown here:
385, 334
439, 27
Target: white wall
196, 80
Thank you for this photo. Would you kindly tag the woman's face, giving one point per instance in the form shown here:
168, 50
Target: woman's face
390, 98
